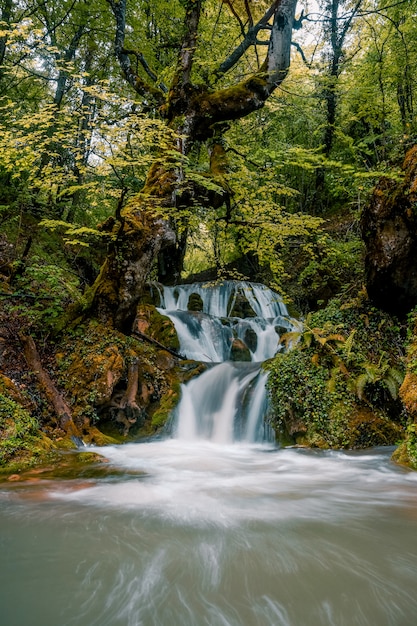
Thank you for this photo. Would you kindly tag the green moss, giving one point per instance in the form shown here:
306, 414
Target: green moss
166, 406
406, 453
337, 387
159, 327
19, 435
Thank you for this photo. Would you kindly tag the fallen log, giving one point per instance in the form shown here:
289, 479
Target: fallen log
55, 399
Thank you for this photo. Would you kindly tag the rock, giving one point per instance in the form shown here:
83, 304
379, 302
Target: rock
241, 307
251, 339
195, 303
151, 323
239, 351
389, 230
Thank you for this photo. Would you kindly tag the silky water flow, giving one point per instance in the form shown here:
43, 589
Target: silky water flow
228, 402
214, 525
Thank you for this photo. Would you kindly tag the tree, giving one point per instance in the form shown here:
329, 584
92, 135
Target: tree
154, 223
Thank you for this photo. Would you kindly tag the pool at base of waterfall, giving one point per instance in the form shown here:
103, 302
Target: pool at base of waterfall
196, 532
215, 526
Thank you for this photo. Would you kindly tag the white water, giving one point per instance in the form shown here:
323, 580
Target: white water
219, 299
228, 401
209, 529
210, 534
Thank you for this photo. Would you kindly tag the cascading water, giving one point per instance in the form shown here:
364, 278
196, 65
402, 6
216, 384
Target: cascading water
236, 328
208, 532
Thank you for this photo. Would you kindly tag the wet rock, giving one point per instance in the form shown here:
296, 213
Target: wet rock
242, 308
239, 351
195, 303
251, 339
151, 323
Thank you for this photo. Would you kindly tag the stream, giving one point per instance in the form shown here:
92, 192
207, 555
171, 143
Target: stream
215, 525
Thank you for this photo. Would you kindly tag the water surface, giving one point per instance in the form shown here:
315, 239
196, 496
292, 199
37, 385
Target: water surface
190, 533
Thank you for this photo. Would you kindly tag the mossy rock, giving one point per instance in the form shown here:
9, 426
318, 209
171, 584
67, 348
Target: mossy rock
195, 303
167, 404
408, 394
367, 429
241, 307
239, 351
151, 323
90, 368
22, 444
406, 453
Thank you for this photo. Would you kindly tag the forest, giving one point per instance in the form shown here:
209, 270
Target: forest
170, 142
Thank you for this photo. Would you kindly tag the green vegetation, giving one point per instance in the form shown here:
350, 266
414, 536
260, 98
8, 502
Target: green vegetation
19, 437
166, 149
338, 385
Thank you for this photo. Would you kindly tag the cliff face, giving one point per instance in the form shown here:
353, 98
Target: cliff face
389, 230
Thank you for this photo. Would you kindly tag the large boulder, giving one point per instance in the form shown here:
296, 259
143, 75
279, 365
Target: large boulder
389, 230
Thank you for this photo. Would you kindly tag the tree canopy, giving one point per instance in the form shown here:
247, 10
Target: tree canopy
226, 129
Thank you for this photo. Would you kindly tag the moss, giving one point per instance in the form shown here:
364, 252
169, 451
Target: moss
58, 465
21, 442
159, 327
330, 392
408, 393
167, 404
195, 303
91, 366
368, 428
406, 453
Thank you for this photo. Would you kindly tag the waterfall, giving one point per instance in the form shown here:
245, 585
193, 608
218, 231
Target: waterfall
232, 326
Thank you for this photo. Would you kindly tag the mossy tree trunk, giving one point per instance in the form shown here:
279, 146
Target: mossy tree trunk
196, 114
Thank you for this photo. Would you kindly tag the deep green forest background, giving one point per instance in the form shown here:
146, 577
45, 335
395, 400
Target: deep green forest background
90, 126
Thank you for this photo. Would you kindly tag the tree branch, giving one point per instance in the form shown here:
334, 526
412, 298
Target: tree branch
250, 40
61, 408
301, 52
139, 85
182, 77
141, 59
251, 94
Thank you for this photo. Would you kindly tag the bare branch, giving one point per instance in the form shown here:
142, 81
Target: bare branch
250, 40
139, 85
301, 52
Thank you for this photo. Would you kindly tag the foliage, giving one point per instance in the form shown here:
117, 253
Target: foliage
18, 431
304, 409
73, 139
347, 356
411, 445
45, 291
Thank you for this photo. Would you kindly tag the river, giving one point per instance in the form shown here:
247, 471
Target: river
188, 533
215, 526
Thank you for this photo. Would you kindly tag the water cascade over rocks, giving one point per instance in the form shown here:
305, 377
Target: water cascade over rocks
232, 326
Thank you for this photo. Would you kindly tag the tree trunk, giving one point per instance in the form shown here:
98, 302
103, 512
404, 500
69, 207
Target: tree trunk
196, 114
138, 239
